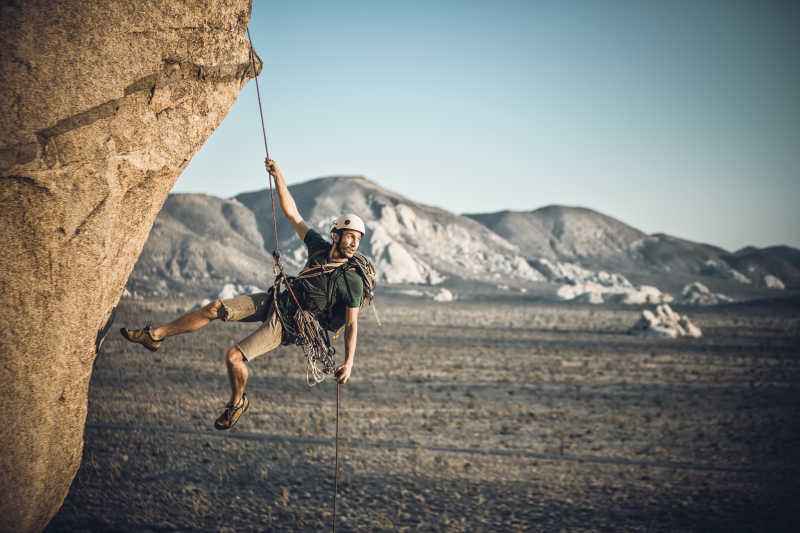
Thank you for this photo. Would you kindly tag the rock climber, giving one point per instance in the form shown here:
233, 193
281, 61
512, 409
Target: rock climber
333, 292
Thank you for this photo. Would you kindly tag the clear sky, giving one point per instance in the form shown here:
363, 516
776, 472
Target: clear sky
680, 117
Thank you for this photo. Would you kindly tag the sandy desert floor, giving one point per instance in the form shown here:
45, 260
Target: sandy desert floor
464, 416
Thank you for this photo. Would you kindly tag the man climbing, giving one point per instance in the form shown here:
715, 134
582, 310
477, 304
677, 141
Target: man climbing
331, 288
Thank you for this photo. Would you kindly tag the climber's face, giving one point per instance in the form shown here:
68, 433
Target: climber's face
346, 242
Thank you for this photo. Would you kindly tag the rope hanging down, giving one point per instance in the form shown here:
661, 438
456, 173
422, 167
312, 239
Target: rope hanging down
336, 461
275, 257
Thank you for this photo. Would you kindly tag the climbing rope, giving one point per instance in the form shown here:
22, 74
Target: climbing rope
303, 326
275, 257
336, 462
307, 333
319, 353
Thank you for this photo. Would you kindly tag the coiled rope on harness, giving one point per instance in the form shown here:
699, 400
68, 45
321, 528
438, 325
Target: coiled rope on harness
318, 351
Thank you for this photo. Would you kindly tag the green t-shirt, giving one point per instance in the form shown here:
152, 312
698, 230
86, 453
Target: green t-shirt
327, 296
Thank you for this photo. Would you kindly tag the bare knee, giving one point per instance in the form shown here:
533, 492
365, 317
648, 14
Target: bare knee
234, 356
212, 310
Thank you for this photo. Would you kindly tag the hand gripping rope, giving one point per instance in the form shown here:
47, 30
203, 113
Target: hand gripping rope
319, 355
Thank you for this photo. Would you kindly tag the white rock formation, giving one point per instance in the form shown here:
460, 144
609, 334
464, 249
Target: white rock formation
582, 285
570, 292
573, 274
698, 294
423, 245
644, 294
664, 323
590, 297
444, 295
394, 263
199, 305
720, 269
408, 244
231, 290
773, 282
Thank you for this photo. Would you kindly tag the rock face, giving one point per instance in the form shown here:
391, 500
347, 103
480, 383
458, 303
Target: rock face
102, 105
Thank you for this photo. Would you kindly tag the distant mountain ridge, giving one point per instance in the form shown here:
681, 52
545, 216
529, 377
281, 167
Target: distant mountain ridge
409, 242
597, 241
780, 261
562, 233
199, 242
196, 243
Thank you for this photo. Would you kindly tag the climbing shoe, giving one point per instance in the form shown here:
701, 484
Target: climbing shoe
232, 413
142, 336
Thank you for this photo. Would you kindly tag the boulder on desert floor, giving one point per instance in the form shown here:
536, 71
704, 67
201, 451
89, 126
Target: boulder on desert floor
664, 322
698, 294
444, 295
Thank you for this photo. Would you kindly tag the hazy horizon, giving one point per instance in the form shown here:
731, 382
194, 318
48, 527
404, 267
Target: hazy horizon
675, 119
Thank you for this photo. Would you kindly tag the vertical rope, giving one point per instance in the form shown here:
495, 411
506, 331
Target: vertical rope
276, 251
336, 472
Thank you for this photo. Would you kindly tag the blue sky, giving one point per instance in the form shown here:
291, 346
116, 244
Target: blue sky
676, 117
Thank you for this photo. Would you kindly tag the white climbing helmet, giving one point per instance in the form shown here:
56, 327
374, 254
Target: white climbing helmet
349, 221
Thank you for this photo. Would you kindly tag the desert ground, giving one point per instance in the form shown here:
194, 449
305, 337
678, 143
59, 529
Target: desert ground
466, 416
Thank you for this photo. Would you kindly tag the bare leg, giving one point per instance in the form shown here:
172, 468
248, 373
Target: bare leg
237, 373
189, 322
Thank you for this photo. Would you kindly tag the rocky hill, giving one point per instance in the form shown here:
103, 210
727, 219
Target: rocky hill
599, 242
409, 242
573, 234
199, 243
759, 264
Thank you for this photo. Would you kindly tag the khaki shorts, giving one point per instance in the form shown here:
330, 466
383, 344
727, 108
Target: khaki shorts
255, 308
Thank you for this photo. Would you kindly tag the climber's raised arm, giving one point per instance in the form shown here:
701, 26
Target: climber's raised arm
286, 200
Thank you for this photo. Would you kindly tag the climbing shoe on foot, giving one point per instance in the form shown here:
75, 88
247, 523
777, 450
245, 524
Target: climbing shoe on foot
142, 336
232, 413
